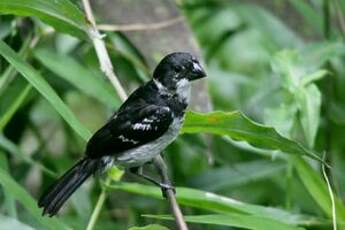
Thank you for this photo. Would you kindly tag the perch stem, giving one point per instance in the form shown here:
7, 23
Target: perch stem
175, 208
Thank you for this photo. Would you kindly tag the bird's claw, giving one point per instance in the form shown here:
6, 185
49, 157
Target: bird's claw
165, 188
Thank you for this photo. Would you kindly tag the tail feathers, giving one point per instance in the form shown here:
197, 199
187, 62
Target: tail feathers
57, 194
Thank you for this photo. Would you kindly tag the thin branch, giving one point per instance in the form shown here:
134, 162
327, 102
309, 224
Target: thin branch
141, 26
98, 207
334, 213
101, 51
175, 208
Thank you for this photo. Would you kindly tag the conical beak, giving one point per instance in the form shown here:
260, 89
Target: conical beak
197, 71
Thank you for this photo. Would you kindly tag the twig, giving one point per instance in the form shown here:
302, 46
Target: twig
101, 51
334, 213
140, 26
98, 207
175, 208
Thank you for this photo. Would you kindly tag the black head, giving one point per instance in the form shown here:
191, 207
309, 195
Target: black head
177, 66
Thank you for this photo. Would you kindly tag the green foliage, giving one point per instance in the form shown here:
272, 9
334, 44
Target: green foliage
318, 189
216, 203
150, 227
234, 220
85, 80
287, 83
241, 128
14, 107
60, 14
10, 186
304, 97
44, 88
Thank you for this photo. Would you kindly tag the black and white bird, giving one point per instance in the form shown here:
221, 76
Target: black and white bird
147, 122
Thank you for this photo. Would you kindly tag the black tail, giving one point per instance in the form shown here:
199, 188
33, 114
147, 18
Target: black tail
57, 194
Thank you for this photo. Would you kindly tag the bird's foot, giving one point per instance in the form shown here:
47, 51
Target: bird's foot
165, 188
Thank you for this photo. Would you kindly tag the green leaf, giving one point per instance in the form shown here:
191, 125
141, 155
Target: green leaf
309, 101
11, 186
85, 80
122, 46
313, 77
150, 227
115, 173
313, 17
213, 202
281, 118
9, 74
239, 127
285, 65
60, 14
9, 202
317, 54
5, 29
41, 85
302, 93
318, 189
268, 24
10, 147
234, 220
4, 119
13, 223
240, 174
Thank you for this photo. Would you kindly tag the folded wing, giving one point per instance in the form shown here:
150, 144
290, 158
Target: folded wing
130, 128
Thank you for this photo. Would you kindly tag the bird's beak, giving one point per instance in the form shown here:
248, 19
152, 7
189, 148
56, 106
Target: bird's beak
197, 72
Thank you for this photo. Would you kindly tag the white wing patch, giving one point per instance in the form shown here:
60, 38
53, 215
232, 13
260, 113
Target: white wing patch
141, 126
124, 139
147, 120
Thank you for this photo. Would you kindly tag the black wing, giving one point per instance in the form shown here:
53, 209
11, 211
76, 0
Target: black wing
130, 128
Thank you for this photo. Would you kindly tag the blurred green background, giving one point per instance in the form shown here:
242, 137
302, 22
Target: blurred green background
280, 63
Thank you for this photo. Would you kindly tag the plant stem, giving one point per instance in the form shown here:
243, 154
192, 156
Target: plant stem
102, 53
175, 208
331, 195
140, 26
98, 207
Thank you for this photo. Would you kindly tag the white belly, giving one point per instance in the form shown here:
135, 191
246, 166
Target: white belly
145, 153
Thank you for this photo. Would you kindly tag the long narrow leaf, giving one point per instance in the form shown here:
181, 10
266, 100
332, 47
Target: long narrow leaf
82, 78
9, 201
37, 81
14, 107
234, 220
61, 14
13, 223
213, 202
312, 16
318, 189
240, 174
11, 186
240, 127
9, 146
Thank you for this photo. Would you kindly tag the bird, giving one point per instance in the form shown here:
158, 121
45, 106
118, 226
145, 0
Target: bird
144, 125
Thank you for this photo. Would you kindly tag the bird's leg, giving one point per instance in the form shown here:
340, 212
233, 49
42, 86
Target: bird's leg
163, 172
138, 171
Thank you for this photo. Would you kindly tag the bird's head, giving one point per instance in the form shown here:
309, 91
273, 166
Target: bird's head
177, 68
